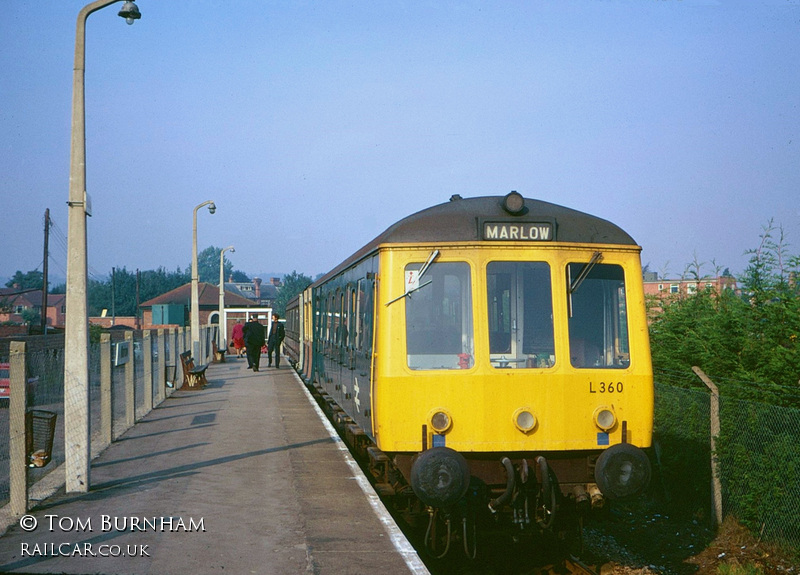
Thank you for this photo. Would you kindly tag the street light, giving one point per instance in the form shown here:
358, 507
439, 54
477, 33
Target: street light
76, 336
195, 279
223, 325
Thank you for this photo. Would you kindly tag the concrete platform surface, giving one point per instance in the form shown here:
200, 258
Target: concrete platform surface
240, 477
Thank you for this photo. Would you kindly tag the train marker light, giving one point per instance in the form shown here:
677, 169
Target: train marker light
514, 204
525, 420
441, 421
604, 418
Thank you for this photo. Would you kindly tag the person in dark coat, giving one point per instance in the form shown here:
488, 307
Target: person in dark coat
276, 335
253, 340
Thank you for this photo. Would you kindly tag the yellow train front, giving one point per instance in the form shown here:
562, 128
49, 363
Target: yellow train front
491, 353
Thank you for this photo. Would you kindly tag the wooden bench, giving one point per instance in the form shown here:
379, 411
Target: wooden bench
219, 354
194, 377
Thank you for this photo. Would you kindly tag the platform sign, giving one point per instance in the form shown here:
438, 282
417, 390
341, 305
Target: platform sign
122, 353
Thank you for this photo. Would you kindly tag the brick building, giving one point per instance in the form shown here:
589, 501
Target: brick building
13, 302
172, 308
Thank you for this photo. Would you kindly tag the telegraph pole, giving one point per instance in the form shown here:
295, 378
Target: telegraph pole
44, 269
138, 280
113, 296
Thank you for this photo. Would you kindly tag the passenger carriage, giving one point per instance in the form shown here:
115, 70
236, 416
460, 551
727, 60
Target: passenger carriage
494, 354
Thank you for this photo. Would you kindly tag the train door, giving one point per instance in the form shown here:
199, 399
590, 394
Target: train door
362, 348
321, 341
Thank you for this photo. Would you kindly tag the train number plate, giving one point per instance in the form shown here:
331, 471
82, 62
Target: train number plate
606, 387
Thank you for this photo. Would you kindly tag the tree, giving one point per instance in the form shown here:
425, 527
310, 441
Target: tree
31, 280
152, 283
31, 317
240, 277
208, 265
293, 284
748, 344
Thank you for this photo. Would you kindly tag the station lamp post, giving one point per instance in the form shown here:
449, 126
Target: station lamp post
223, 325
76, 338
195, 282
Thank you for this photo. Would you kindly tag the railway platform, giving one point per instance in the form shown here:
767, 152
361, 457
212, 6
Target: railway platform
243, 476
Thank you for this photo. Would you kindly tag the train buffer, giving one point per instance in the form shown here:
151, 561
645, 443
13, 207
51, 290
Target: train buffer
242, 475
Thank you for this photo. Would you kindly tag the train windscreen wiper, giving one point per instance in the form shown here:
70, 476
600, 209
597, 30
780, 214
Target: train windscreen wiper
418, 286
574, 284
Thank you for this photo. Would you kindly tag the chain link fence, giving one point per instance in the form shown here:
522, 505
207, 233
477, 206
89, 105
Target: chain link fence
130, 396
758, 457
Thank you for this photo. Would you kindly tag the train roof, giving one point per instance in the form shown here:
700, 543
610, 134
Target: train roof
459, 221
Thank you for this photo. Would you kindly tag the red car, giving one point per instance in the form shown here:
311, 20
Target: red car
5, 383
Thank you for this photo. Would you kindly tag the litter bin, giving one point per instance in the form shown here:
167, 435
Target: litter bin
40, 428
171, 373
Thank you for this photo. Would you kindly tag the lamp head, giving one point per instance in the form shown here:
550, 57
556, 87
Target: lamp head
130, 11
212, 207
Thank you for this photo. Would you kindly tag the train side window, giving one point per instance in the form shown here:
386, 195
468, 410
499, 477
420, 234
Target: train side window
520, 315
328, 318
363, 326
439, 318
598, 324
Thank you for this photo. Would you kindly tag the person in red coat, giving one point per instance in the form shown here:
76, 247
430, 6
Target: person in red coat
238, 338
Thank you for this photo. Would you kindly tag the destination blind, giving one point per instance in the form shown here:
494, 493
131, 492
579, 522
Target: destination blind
518, 231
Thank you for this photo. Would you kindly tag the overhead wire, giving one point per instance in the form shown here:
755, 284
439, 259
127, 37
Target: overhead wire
59, 238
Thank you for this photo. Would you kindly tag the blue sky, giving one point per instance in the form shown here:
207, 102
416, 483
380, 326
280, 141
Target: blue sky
315, 125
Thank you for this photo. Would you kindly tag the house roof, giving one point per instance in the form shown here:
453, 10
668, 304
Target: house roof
208, 297
31, 297
268, 291
13, 292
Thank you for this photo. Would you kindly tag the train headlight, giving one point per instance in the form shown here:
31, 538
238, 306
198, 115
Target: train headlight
604, 418
524, 420
440, 421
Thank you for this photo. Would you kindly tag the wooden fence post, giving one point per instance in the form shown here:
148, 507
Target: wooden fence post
716, 485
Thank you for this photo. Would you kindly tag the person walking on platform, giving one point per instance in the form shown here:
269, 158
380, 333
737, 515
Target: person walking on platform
276, 335
238, 337
253, 340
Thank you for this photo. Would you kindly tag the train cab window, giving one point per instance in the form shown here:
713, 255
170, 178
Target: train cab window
439, 318
520, 315
598, 322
